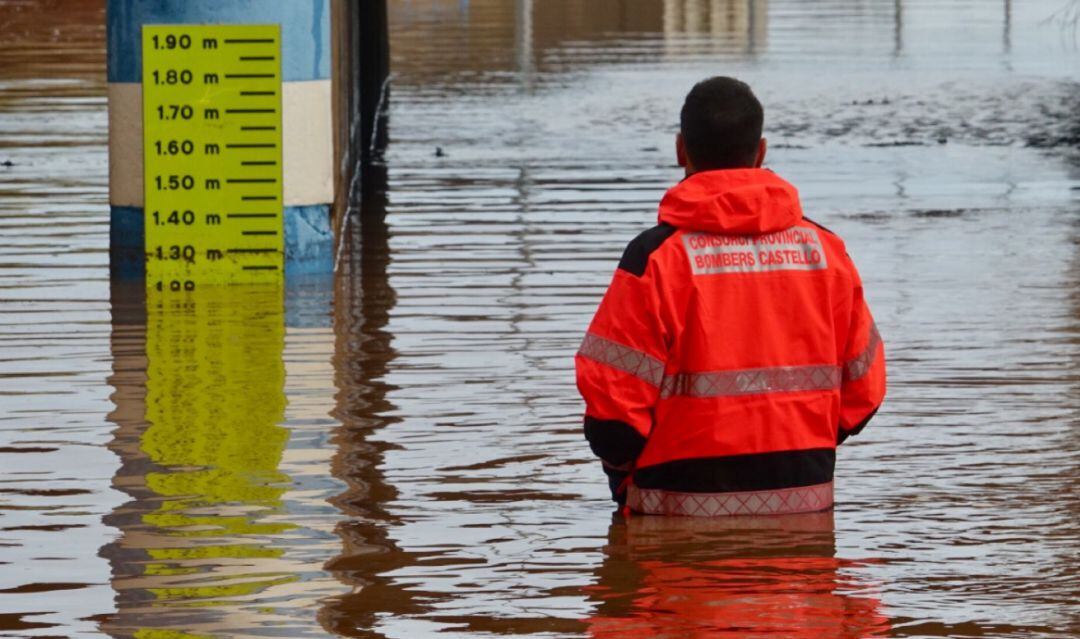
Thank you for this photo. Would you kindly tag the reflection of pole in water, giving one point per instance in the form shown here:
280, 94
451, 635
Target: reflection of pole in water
725, 19
898, 27
523, 41
756, 11
198, 384
673, 22
693, 21
1006, 28
735, 25
1072, 283
364, 300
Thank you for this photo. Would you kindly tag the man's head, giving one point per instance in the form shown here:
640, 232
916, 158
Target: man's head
720, 127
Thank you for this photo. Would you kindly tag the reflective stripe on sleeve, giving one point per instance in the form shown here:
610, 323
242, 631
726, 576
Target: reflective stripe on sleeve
624, 358
860, 365
783, 501
752, 381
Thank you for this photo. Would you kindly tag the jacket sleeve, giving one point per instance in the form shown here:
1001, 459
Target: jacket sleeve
620, 366
863, 387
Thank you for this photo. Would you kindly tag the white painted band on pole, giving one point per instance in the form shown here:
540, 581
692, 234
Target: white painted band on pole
307, 143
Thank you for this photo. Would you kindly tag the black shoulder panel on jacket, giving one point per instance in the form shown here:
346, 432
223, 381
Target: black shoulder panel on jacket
636, 256
823, 228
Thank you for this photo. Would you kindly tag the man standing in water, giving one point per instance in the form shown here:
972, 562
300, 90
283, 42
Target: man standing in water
733, 350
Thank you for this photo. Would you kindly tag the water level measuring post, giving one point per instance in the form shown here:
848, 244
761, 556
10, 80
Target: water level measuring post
305, 135
212, 149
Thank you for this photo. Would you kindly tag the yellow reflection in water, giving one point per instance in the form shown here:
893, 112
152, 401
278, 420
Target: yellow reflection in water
203, 466
166, 634
214, 395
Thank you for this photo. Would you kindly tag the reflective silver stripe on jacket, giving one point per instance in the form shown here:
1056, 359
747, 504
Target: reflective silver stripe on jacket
752, 381
621, 357
730, 383
860, 366
783, 501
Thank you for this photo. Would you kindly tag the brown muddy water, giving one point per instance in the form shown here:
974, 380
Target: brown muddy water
397, 453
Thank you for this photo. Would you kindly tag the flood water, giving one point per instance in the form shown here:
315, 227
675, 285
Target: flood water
397, 452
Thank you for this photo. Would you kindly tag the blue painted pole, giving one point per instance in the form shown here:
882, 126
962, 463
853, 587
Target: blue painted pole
306, 111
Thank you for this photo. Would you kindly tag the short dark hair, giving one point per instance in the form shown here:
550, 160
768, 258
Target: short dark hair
721, 124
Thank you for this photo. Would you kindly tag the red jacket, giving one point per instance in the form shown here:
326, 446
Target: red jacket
730, 355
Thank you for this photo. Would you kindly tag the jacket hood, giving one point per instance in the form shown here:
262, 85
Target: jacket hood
732, 201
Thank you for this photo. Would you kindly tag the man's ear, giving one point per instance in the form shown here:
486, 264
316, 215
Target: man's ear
762, 148
680, 150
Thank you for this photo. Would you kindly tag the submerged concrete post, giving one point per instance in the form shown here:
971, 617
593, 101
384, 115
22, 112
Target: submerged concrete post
307, 130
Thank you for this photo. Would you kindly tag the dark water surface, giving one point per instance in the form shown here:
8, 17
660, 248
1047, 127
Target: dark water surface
397, 453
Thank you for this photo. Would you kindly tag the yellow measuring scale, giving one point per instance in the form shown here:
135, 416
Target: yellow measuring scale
212, 155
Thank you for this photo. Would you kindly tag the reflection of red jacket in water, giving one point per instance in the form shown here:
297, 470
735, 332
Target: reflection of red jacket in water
731, 353
656, 585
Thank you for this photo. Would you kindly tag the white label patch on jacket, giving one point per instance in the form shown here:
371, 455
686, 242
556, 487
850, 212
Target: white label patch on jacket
795, 249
